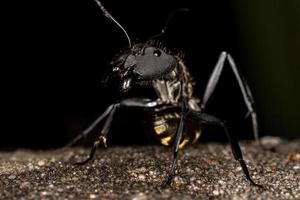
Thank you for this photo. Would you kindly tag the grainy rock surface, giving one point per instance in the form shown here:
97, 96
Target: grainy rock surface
206, 171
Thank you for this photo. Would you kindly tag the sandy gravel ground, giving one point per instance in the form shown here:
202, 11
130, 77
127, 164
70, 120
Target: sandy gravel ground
206, 171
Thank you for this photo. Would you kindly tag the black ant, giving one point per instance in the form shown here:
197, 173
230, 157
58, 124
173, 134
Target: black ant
178, 115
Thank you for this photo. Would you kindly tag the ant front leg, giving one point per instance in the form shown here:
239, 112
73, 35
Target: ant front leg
110, 111
179, 132
103, 134
91, 127
245, 90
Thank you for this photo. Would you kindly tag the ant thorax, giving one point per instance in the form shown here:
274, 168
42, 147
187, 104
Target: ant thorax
175, 85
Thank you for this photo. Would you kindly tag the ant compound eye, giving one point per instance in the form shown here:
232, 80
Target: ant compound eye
156, 53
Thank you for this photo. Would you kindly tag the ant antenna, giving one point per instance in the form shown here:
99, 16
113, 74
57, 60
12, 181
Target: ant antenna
171, 16
163, 31
108, 15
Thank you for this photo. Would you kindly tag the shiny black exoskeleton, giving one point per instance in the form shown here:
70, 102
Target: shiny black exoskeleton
177, 114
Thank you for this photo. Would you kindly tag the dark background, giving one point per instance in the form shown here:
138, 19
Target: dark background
56, 52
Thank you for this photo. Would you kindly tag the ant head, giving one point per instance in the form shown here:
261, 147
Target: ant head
142, 62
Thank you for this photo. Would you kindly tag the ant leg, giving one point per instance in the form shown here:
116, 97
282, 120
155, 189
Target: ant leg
244, 87
147, 103
131, 103
176, 147
248, 98
103, 135
90, 128
213, 80
139, 103
235, 147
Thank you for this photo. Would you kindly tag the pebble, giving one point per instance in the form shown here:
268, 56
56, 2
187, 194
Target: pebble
93, 196
41, 163
215, 192
142, 177
12, 177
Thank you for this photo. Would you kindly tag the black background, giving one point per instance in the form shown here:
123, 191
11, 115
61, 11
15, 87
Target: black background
56, 53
